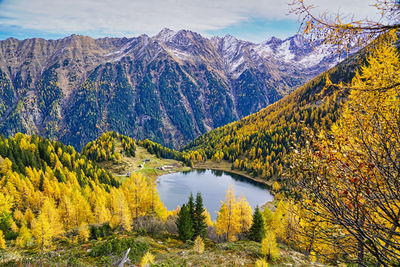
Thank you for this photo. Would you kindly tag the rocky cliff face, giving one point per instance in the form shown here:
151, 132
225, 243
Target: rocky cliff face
169, 88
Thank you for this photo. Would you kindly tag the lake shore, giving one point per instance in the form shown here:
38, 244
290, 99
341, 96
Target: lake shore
226, 166
174, 189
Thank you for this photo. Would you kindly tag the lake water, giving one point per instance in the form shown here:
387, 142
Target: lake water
174, 189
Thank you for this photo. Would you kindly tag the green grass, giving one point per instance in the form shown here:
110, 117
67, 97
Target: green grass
167, 249
131, 164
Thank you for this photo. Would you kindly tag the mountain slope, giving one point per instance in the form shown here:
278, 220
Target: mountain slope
260, 142
170, 88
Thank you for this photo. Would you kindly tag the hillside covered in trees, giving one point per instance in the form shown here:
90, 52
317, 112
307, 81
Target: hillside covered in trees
333, 146
51, 189
259, 143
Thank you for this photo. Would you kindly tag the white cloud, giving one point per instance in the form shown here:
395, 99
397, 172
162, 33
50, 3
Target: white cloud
132, 17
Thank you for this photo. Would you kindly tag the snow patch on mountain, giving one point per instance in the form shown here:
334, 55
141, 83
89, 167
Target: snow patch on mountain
285, 53
263, 51
179, 54
317, 56
235, 64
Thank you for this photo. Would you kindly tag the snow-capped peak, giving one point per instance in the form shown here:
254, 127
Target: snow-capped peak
165, 35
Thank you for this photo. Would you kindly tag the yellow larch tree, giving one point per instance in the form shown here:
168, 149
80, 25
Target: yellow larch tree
29, 217
85, 214
47, 225
98, 200
120, 213
19, 217
198, 245
147, 259
68, 212
83, 232
268, 217
207, 217
43, 232
137, 192
269, 247
75, 209
245, 214
24, 238
227, 220
218, 156
278, 218
157, 207
101, 213
6, 166
142, 197
50, 211
6, 203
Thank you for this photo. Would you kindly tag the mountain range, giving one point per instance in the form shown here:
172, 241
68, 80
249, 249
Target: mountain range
169, 88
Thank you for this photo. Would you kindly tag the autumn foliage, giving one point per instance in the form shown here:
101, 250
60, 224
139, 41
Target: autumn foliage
49, 190
349, 175
234, 216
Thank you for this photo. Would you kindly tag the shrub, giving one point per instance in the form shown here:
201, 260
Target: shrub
119, 246
198, 245
100, 231
149, 225
170, 225
212, 235
147, 259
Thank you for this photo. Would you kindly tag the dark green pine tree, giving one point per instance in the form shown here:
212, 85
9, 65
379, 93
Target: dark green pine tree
199, 220
59, 175
41, 182
185, 224
257, 231
191, 206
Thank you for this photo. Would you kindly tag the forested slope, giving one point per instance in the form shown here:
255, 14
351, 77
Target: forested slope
50, 192
258, 143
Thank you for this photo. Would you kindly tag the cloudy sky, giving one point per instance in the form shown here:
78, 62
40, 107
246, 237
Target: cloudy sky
253, 20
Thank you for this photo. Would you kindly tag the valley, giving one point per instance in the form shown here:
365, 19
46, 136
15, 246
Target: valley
61, 206
178, 148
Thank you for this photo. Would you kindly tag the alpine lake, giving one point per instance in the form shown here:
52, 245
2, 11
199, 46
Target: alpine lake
174, 188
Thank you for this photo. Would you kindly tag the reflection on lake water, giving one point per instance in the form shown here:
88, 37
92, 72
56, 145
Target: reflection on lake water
174, 188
